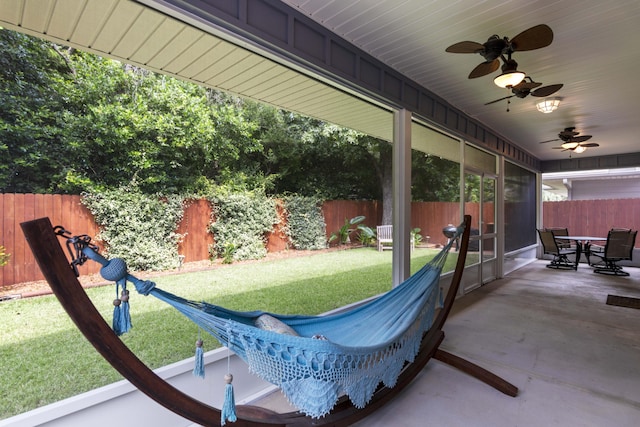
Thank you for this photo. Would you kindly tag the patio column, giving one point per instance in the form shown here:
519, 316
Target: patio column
401, 267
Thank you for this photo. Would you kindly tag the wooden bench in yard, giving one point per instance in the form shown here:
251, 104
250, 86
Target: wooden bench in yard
384, 236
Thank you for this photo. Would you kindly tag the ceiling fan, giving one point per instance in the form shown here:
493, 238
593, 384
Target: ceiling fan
572, 140
496, 48
526, 88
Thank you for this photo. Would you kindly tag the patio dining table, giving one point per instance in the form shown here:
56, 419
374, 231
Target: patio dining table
583, 244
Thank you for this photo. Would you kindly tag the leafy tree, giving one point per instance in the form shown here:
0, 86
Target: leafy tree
162, 133
329, 162
434, 179
31, 113
72, 121
309, 157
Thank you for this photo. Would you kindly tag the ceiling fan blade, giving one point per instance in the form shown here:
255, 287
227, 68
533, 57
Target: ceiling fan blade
581, 138
590, 145
526, 85
533, 38
567, 134
562, 148
465, 47
521, 93
498, 100
551, 140
484, 68
547, 90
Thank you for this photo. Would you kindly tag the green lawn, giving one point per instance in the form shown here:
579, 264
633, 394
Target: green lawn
46, 359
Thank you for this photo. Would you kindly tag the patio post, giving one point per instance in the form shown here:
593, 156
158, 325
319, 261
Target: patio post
401, 267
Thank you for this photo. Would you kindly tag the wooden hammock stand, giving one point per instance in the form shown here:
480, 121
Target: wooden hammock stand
54, 265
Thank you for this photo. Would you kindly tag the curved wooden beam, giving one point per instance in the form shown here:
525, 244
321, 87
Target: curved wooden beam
452, 293
476, 371
56, 269
456, 361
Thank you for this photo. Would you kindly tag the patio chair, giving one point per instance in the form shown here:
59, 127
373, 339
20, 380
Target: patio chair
560, 255
561, 231
600, 248
619, 247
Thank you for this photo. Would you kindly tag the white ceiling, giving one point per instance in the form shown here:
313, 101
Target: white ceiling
595, 54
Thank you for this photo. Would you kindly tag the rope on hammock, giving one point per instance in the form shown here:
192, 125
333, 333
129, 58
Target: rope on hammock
312, 359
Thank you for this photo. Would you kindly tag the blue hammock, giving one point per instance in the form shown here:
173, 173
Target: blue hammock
350, 352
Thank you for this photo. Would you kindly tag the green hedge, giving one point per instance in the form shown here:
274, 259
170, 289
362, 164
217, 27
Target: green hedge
240, 225
139, 228
305, 223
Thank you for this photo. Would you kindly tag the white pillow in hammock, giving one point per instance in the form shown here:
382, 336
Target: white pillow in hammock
270, 323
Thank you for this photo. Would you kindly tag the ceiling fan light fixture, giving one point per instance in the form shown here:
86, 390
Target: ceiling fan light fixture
580, 149
509, 79
548, 105
572, 146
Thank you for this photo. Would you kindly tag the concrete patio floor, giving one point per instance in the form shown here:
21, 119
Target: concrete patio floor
575, 359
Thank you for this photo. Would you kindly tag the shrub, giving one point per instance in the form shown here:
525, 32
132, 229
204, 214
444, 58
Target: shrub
366, 235
343, 234
305, 226
240, 224
140, 228
4, 256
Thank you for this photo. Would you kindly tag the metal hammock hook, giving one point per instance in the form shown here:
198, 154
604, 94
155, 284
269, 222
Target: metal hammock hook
75, 244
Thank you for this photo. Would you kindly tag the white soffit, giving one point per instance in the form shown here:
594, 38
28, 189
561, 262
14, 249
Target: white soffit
430, 141
135, 34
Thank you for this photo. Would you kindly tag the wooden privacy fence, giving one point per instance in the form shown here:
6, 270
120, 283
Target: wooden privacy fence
429, 217
592, 217
65, 210
68, 211
585, 217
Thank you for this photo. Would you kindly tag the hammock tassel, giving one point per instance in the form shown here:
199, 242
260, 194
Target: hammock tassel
198, 369
229, 406
116, 270
121, 315
116, 325
125, 315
